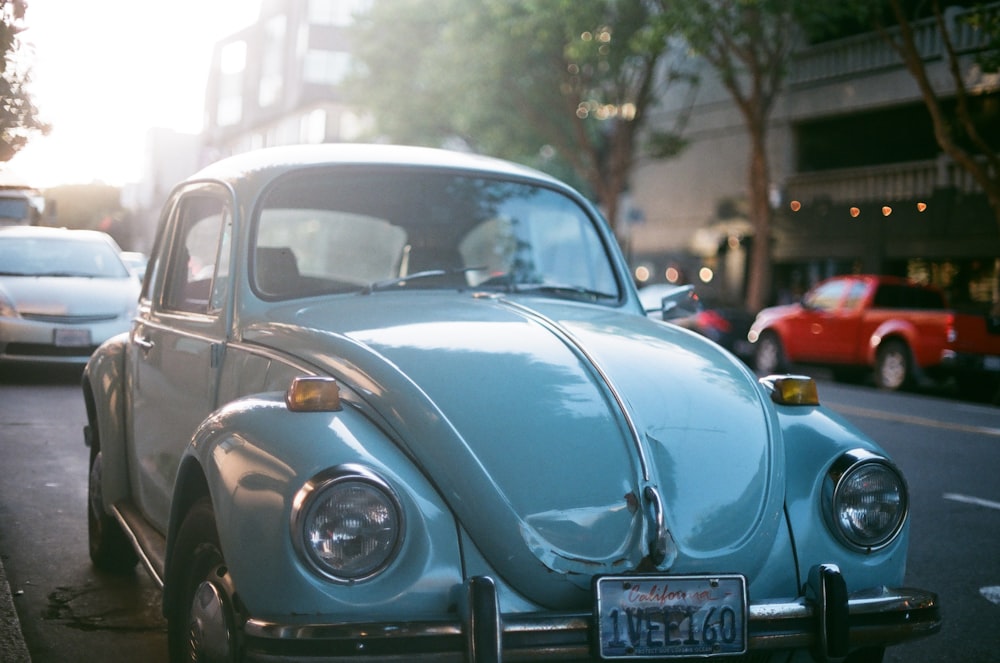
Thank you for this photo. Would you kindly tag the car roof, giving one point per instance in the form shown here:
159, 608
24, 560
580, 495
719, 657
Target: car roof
275, 160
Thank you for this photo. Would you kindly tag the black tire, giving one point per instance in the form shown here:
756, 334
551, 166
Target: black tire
110, 549
893, 366
769, 355
200, 618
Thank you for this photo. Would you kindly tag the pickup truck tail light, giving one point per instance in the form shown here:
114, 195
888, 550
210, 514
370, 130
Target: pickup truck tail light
951, 334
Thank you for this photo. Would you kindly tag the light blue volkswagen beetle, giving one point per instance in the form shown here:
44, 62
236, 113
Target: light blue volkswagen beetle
397, 403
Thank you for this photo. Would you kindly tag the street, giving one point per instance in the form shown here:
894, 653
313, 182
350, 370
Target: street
948, 449
68, 611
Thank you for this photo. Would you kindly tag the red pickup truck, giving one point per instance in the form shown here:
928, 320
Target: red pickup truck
902, 330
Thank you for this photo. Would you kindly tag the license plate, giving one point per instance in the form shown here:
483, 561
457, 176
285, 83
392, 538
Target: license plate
671, 616
71, 338
991, 363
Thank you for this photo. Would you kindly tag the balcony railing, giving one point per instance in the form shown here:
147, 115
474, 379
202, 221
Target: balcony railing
901, 181
868, 53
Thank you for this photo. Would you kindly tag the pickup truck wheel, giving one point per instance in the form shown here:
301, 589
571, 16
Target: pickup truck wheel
769, 357
110, 549
201, 620
892, 366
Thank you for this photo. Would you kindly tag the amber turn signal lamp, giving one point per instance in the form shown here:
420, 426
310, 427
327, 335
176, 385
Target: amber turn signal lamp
313, 394
793, 390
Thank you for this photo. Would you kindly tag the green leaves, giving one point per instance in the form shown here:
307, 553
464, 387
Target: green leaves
559, 84
18, 115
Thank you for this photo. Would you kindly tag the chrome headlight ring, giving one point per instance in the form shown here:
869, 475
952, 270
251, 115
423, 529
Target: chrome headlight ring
865, 500
347, 524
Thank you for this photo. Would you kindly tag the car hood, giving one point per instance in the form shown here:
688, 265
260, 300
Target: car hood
71, 297
768, 315
554, 430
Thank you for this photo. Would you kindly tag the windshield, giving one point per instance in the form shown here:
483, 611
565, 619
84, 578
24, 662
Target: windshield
59, 256
367, 231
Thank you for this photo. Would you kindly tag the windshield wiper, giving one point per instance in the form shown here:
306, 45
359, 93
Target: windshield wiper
58, 274
426, 274
46, 274
562, 290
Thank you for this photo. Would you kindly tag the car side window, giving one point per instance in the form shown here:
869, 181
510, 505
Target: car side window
908, 297
826, 297
195, 272
855, 294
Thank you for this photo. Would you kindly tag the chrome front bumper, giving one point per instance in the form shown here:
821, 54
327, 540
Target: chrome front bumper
826, 621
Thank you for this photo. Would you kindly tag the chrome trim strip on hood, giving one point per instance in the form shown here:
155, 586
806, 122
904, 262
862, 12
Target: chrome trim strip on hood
662, 549
562, 333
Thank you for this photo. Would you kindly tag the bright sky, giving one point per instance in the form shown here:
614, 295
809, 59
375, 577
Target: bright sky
104, 73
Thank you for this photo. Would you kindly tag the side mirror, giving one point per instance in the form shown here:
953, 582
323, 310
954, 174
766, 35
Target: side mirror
681, 303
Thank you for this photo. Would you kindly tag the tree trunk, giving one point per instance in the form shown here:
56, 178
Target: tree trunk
759, 281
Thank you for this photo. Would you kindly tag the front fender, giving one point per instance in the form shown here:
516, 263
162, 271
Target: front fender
814, 439
254, 456
103, 384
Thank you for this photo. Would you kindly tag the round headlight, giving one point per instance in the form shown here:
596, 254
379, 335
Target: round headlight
866, 500
347, 524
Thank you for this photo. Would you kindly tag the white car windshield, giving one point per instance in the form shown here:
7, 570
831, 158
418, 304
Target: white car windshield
363, 231
59, 257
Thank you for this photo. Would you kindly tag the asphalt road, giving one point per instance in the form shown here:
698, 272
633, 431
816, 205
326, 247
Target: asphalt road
68, 611
949, 450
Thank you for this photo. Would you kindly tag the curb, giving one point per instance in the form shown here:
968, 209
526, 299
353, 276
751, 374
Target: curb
12, 647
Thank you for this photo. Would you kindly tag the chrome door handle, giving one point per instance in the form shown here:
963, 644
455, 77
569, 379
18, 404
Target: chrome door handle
144, 343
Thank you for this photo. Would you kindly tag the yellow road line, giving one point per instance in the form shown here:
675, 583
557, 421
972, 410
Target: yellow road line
910, 419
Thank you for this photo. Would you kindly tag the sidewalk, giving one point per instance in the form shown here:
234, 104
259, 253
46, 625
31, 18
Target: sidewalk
12, 647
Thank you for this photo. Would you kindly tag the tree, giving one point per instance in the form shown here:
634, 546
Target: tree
564, 85
956, 131
747, 44
18, 115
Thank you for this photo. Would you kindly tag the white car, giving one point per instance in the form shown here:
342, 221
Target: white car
62, 293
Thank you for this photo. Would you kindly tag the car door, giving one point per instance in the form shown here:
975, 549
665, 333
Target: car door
177, 342
839, 340
812, 330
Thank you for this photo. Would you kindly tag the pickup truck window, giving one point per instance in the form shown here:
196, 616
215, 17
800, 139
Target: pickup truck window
826, 297
855, 294
907, 297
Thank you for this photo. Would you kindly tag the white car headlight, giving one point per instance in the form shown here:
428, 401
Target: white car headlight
865, 500
347, 523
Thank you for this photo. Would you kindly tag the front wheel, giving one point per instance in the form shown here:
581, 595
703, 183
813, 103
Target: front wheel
893, 366
110, 549
201, 620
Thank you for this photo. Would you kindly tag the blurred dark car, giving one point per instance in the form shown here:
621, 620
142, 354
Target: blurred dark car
726, 325
62, 293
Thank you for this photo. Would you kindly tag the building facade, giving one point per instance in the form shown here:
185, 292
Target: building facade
859, 183
276, 81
